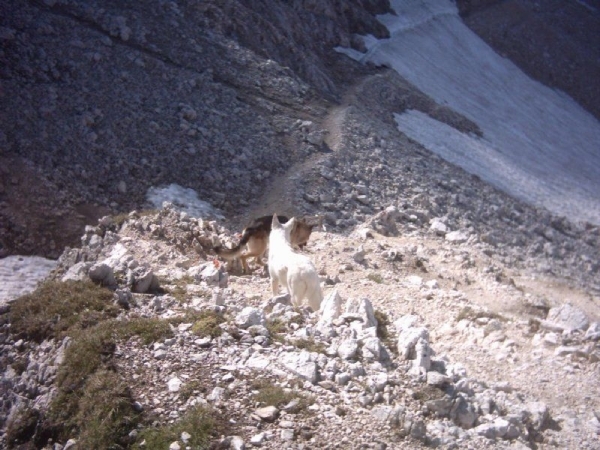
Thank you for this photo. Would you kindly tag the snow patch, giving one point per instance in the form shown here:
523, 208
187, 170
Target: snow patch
19, 275
185, 199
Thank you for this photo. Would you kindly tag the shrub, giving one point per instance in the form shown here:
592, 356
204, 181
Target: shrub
276, 327
383, 322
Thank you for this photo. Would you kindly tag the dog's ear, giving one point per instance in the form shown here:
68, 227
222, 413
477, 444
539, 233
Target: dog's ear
275, 222
321, 218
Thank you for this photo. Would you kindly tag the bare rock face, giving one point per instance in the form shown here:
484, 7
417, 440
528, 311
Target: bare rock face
109, 101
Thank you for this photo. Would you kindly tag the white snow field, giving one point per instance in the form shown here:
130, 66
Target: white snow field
20, 275
538, 144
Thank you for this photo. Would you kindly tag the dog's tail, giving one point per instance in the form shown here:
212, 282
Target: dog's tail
229, 253
232, 253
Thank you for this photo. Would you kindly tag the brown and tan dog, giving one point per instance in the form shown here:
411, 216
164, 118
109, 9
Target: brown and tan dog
255, 239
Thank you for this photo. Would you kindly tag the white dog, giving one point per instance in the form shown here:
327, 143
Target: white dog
294, 271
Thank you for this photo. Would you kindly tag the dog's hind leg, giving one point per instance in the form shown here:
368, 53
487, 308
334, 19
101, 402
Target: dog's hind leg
245, 268
275, 286
259, 258
315, 297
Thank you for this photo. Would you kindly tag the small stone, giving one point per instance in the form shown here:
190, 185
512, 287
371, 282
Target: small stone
160, 354
287, 434
174, 384
70, 444
237, 443
267, 413
204, 342
593, 332
437, 379
456, 237
257, 439
250, 316
217, 395
569, 317
359, 255
438, 227
185, 437
348, 349
175, 446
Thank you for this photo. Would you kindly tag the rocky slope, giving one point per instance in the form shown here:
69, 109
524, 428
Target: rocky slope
108, 100
455, 317
504, 298
426, 338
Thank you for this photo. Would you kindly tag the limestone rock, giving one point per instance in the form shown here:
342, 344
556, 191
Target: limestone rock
568, 317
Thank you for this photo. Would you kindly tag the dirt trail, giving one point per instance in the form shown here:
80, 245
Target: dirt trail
279, 195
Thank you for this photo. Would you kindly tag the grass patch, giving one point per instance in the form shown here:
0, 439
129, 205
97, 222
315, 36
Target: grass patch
120, 219
56, 307
469, 313
273, 395
310, 345
199, 422
93, 402
208, 325
148, 329
299, 318
190, 388
106, 410
276, 328
178, 288
21, 427
427, 393
375, 277
205, 322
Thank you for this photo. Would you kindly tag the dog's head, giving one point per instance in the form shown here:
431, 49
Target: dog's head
301, 232
286, 228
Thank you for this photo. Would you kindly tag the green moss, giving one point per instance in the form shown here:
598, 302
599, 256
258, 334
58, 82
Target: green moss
148, 329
